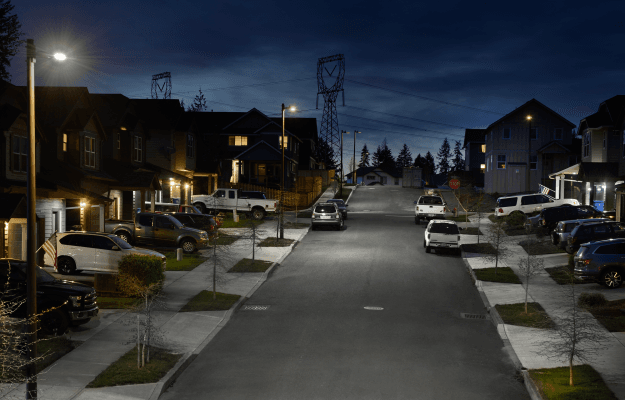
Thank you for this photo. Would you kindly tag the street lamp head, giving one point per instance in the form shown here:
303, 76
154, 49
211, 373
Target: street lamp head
59, 57
292, 108
529, 117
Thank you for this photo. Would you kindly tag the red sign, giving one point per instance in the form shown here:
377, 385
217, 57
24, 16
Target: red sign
454, 183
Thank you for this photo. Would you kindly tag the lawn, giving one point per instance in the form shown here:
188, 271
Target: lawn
540, 248
222, 240
249, 265
188, 262
273, 242
124, 371
107, 303
482, 248
562, 275
611, 316
50, 350
553, 383
305, 214
514, 314
343, 194
460, 218
470, 231
228, 222
204, 301
502, 275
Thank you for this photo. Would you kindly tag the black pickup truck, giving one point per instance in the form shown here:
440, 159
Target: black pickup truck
69, 303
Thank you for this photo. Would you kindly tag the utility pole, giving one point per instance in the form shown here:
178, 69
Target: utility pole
342, 132
355, 180
529, 155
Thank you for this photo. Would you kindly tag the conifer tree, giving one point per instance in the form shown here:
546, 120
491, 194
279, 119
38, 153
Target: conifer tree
9, 37
443, 158
457, 164
404, 159
199, 103
364, 157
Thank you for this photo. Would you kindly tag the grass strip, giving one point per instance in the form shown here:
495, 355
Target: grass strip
108, 303
273, 242
470, 231
244, 221
221, 240
188, 262
204, 301
514, 314
501, 275
482, 248
249, 265
553, 383
540, 248
124, 371
304, 214
611, 316
460, 218
562, 275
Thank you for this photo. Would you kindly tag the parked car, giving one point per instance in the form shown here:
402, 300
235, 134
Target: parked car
602, 262
91, 251
549, 217
231, 199
67, 303
158, 230
198, 221
528, 203
563, 229
342, 206
429, 207
442, 234
326, 214
585, 233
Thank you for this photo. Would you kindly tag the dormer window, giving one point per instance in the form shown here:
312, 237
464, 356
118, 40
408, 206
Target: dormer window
90, 152
190, 146
586, 145
65, 142
20, 153
237, 140
138, 149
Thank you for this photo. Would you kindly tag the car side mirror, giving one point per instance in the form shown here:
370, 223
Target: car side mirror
415, 202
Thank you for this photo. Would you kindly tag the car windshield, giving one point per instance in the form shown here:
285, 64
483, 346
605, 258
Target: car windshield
430, 200
120, 242
338, 202
42, 276
444, 228
325, 209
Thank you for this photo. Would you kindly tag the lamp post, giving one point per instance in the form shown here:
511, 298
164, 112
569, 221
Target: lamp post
341, 186
529, 154
281, 219
355, 180
31, 194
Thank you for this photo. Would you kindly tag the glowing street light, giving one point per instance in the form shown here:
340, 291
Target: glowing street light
281, 221
529, 154
60, 57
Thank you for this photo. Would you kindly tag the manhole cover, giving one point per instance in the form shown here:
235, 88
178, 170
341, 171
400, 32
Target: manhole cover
374, 308
255, 308
473, 316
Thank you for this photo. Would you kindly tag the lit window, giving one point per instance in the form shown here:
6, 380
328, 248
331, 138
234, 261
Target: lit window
138, 148
90, 152
501, 161
20, 152
286, 141
533, 134
483, 148
237, 141
506, 133
65, 142
557, 134
482, 166
533, 162
190, 152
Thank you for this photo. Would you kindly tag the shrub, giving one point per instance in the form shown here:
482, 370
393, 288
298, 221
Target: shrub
144, 270
590, 300
515, 219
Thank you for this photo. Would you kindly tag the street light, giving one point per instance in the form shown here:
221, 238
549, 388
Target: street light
31, 194
281, 221
529, 156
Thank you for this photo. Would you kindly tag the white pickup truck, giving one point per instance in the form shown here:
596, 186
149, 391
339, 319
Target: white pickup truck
428, 208
230, 199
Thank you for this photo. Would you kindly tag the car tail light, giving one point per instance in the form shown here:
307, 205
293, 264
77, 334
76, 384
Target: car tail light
584, 262
544, 222
501, 210
444, 209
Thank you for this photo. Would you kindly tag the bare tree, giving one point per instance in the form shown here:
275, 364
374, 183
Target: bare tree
497, 237
252, 234
530, 266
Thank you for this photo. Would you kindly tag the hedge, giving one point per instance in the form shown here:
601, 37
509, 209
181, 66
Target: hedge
147, 270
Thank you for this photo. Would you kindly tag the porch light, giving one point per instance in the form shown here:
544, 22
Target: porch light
83, 204
186, 186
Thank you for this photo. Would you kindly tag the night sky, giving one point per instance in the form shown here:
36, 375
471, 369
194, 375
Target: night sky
416, 72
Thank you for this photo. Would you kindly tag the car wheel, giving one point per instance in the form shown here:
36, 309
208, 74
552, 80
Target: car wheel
66, 266
424, 243
124, 236
201, 207
428, 249
54, 322
188, 246
568, 249
258, 214
416, 221
612, 279
554, 239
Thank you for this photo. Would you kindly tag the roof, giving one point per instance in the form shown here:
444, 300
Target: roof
304, 128
13, 206
110, 107
610, 112
598, 171
8, 116
261, 151
557, 143
474, 136
128, 178
160, 114
70, 177
536, 103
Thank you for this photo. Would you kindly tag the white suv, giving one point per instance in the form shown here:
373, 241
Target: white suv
528, 203
442, 234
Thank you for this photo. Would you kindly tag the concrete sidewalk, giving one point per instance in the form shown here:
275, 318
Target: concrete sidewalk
528, 343
109, 336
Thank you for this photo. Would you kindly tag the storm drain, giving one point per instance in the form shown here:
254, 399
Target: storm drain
473, 316
255, 308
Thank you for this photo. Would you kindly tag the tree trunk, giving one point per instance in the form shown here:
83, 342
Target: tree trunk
571, 370
138, 342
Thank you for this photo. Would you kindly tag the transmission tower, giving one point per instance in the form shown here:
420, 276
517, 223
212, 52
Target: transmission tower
329, 121
165, 88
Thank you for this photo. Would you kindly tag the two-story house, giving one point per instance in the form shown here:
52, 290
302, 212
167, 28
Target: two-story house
475, 155
601, 151
531, 134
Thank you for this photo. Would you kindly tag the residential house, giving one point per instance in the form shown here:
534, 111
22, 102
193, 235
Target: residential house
369, 175
532, 131
475, 155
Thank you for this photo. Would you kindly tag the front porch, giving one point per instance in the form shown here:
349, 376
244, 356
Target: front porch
590, 183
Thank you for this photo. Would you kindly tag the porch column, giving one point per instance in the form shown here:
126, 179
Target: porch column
141, 205
153, 200
587, 194
562, 181
557, 186
101, 217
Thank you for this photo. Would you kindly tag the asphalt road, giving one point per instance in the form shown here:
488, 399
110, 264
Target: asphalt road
318, 340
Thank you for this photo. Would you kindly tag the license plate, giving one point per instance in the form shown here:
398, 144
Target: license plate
445, 245
325, 217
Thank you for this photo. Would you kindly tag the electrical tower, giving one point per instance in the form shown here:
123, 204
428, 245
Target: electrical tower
329, 121
165, 88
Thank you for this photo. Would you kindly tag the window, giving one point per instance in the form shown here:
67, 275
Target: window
533, 133
528, 200
145, 220
138, 148
533, 162
231, 194
483, 148
119, 140
482, 166
164, 222
89, 152
542, 199
237, 140
190, 152
557, 134
20, 154
501, 161
286, 141
506, 133
102, 243
65, 142
601, 229
586, 145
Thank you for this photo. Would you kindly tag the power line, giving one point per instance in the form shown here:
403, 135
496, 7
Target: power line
402, 126
401, 116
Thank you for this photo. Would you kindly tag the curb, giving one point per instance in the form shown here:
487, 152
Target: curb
530, 385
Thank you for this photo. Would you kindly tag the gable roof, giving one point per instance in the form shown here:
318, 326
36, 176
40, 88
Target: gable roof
303, 128
242, 117
556, 143
261, 145
474, 136
535, 103
610, 112
111, 109
158, 114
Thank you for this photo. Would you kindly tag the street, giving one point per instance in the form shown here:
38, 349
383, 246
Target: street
363, 313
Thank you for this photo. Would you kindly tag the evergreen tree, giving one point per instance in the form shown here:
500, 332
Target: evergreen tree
9, 37
457, 164
199, 103
443, 158
377, 157
419, 161
386, 159
182, 104
430, 165
404, 159
364, 157
325, 154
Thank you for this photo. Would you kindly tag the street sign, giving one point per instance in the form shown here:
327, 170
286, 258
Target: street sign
454, 183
